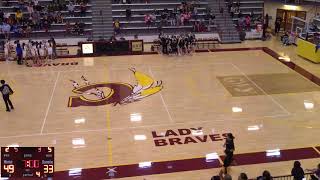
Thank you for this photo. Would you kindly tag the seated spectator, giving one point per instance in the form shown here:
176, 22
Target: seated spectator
21, 5
232, 11
6, 30
76, 28
153, 17
297, 172
164, 19
68, 28
59, 18
128, 13
1, 16
212, 18
173, 19
116, 25
45, 23
248, 22
71, 8
81, 28
30, 9
316, 173
19, 16
147, 19
83, 9
17, 31
196, 26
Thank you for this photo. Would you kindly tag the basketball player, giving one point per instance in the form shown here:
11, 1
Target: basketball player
6, 92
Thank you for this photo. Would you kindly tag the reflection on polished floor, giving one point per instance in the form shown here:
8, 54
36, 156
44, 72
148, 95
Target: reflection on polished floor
167, 116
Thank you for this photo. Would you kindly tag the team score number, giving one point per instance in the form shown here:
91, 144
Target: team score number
49, 149
9, 168
47, 169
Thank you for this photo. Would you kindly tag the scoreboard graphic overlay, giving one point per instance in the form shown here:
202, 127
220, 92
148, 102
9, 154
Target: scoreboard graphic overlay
22, 162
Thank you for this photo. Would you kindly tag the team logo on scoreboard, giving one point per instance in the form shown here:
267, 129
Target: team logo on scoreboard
98, 94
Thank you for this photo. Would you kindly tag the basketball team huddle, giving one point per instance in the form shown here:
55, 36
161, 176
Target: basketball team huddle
176, 44
32, 53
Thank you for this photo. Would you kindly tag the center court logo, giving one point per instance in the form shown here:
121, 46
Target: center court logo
92, 94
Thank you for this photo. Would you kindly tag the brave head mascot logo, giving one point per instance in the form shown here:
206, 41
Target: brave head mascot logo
119, 93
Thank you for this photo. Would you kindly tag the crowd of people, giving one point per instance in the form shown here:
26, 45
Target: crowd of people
297, 171
184, 14
176, 44
30, 16
32, 53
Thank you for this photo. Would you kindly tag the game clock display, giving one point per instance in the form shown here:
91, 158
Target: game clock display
23, 162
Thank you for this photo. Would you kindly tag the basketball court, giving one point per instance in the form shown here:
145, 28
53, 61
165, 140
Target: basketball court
193, 101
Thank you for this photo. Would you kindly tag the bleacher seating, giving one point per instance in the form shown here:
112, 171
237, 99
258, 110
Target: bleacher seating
57, 30
136, 23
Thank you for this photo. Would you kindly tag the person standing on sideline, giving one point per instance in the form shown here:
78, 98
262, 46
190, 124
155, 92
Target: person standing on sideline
277, 25
6, 92
229, 145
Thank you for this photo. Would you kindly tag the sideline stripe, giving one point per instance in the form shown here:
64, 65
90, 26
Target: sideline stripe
173, 166
109, 143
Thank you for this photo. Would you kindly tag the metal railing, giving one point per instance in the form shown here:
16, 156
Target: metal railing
307, 176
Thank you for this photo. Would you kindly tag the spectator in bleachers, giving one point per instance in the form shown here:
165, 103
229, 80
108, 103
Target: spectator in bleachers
19, 16
297, 172
164, 18
128, 14
6, 30
147, 19
173, 19
30, 8
83, 9
21, 4
68, 28
248, 22
1, 16
71, 8
153, 17
232, 11
239, 14
59, 17
116, 25
45, 23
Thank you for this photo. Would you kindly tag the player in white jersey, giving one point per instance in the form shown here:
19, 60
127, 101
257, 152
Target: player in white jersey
49, 49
